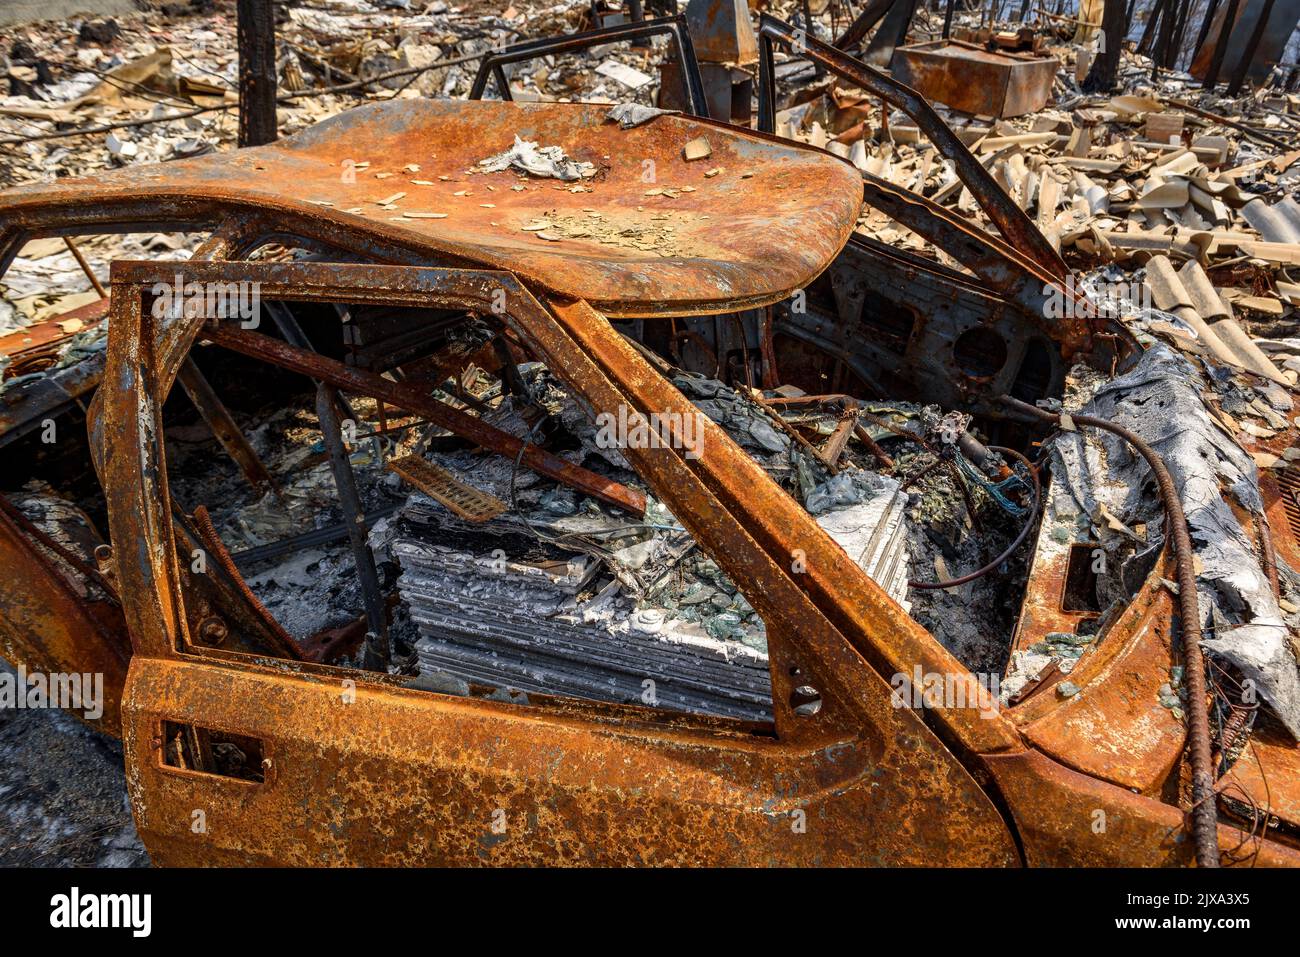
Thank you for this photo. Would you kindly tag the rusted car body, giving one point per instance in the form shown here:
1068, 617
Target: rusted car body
353, 766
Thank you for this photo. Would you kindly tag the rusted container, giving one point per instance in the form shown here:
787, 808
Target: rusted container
974, 80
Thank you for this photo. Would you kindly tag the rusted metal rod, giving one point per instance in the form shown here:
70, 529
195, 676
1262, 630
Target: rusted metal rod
223, 426
376, 654
1204, 808
85, 267
872, 445
1268, 557
411, 399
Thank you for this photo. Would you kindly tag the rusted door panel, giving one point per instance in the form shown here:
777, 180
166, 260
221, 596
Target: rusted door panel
409, 778
47, 627
401, 776
1067, 819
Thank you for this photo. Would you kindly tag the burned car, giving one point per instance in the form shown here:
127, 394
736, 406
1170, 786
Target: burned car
707, 532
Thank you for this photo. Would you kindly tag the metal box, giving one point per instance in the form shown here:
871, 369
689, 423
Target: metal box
974, 80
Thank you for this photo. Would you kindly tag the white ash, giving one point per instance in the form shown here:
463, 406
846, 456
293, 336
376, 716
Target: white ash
547, 162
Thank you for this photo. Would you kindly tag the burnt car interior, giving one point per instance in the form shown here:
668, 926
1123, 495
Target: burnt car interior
560, 481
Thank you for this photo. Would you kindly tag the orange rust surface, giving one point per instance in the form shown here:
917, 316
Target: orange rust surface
1267, 774
399, 776
408, 778
376, 774
47, 626
767, 222
1068, 819
1115, 728
1042, 611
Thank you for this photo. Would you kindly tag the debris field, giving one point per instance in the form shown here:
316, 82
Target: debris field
659, 398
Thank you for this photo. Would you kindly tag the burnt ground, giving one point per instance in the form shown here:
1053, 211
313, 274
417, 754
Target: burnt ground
62, 794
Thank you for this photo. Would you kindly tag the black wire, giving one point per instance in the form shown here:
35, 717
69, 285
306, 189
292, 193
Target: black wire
1010, 550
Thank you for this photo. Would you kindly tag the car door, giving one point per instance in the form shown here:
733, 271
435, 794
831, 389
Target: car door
239, 758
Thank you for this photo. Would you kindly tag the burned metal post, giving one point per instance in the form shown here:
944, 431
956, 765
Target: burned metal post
725, 44
1150, 31
256, 32
223, 426
893, 31
871, 14
1210, 10
1164, 38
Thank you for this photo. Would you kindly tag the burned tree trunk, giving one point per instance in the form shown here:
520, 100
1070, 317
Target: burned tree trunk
256, 36
1114, 25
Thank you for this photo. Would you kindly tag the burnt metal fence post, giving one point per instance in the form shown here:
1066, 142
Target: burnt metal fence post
256, 38
1114, 26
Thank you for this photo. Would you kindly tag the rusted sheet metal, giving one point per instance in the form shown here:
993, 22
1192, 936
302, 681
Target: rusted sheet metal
1266, 777
973, 80
895, 328
722, 31
50, 626
1067, 819
1042, 610
38, 342
1017, 279
399, 776
749, 235
221, 609
1115, 728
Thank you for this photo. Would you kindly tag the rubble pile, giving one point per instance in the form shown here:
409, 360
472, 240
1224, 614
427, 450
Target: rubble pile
564, 596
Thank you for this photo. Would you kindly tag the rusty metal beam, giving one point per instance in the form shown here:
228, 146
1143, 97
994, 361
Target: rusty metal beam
377, 652
410, 398
222, 424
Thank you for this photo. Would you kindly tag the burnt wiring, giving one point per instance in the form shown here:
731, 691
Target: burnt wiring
1010, 550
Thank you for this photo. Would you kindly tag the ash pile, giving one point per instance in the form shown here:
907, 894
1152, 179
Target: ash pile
562, 594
